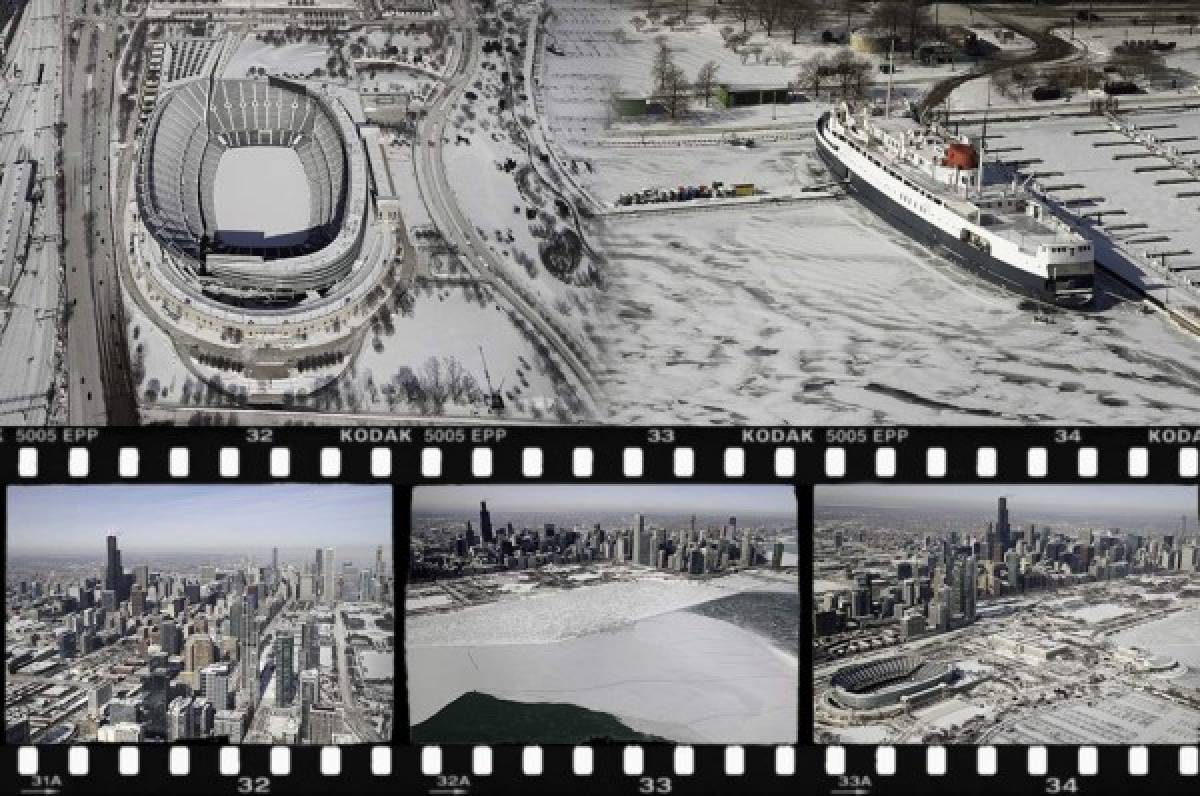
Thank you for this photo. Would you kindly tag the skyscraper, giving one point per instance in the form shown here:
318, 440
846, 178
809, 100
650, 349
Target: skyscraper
284, 667
320, 569
747, 551
485, 525
249, 656
1003, 535
379, 557
330, 576
112, 567
310, 644
275, 560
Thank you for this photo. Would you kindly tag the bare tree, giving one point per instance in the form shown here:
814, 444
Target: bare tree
889, 15
743, 10
917, 16
663, 63
712, 12
797, 13
770, 12
813, 72
849, 8
676, 92
706, 81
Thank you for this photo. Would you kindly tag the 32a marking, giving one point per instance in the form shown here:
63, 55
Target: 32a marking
254, 785
654, 785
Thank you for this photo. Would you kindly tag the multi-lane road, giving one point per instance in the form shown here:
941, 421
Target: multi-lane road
100, 385
355, 721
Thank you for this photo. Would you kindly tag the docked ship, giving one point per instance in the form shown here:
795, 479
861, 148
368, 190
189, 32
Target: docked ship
932, 185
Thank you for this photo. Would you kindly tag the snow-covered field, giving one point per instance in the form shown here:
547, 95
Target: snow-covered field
293, 59
823, 313
261, 192
453, 322
1102, 612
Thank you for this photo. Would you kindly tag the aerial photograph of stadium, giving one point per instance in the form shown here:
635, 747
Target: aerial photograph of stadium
573, 613
990, 614
132, 617
599, 211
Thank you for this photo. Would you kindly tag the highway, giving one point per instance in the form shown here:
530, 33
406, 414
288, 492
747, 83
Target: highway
100, 389
30, 315
476, 256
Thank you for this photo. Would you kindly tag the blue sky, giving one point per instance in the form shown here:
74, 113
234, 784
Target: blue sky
720, 499
1143, 498
228, 516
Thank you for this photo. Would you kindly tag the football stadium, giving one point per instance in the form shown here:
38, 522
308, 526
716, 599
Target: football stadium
255, 239
880, 683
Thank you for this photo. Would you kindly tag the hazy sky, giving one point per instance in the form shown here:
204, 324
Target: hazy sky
717, 499
1067, 498
226, 516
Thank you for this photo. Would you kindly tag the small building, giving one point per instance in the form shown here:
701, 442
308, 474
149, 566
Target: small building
936, 52
625, 105
738, 95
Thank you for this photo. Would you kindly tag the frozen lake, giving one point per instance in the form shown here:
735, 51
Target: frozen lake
821, 313
680, 676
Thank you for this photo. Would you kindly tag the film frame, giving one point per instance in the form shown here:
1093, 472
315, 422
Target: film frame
413, 456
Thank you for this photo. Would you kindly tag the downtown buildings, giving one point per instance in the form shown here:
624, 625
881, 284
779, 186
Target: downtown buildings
682, 548
188, 648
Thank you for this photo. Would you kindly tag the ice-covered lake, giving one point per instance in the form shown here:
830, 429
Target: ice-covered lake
822, 313
1177, 636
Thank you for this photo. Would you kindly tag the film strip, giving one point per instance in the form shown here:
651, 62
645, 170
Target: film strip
380, 747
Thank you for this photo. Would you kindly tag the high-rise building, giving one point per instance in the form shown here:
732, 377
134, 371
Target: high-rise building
637, 539
179, 719
319, 573
170, 638
198, 652
379, 555
329, 592
310, 694
112, 567
248, 654
777, 555
747, 557
98, 697
214, 684
141, 576
485, 524
1002, 530
310, 644
285, 667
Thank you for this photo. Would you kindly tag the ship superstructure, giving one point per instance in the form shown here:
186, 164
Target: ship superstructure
936, 187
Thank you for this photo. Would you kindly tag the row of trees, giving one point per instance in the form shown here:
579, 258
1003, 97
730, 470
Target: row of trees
794, 15
844, 74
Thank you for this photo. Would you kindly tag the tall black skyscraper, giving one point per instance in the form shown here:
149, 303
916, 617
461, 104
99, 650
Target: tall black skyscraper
319, 579
485, 522
1003, 535
112, 566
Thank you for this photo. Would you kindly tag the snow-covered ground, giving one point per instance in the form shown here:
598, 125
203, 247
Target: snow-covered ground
772, 167
603, 53
1102, 612
681, 676
294, 59
451, 323
823, 313
261, 192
